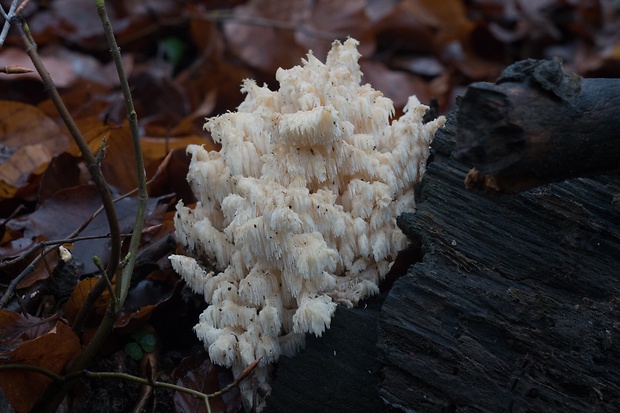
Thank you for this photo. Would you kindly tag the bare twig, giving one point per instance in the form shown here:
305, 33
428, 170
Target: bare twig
89, 158
122, 287
61, 379
73, 237
55, 394
160, 384
6, 297
36, 369
46, 247
108, 284
7, 21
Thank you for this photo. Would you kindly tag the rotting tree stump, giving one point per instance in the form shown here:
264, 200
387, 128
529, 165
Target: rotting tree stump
516, 304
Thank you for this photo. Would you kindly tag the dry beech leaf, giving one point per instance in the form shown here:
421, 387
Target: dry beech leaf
452, 23
426, 25
396, 85
204, 33
156, 149
62, 172
29, 140
41, 269
15, 243
52, 351
329, 20
171, 177
61, 69
78, 296
132, 321
263, 47
84, 100
15, 328
118, 166
57, 217
93, 131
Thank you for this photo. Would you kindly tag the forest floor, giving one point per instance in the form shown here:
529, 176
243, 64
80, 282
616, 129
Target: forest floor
185, 61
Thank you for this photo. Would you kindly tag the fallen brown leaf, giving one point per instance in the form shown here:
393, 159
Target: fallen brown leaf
79, 295
15, 329
30, 139
52, 351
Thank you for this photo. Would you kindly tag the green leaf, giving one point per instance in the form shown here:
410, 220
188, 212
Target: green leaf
133, 350
138, 335
147, 342
173, 48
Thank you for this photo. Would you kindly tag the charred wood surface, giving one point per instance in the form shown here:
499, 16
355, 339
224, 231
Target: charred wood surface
337, 372
516, 305
537, 125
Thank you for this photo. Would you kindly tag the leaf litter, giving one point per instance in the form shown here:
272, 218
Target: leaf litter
186, 61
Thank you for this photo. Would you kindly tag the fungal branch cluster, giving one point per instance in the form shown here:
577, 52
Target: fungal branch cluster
297, 211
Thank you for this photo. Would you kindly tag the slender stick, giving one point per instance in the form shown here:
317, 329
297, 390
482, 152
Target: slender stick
89, 158
141, 380
7, 21
113, 375
122, 287
55, 394
124, 376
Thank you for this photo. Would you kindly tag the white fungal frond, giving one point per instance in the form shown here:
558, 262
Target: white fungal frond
314, 315
297, 211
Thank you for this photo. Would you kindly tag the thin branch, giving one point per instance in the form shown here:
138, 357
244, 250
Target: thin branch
109, 375
36, 369
47, 247
7, 21
55, 394
6, 297
108, 284
52, 243
129, 377
4, 14
89, 158
160, 384
124, 282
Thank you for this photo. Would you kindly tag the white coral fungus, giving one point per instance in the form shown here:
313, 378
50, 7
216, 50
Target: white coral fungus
297, 211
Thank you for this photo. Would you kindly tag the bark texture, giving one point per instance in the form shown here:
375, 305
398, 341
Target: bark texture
516, 304
537, 125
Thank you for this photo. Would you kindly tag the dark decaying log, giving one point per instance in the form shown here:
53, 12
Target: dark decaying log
536, 125
516, 304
